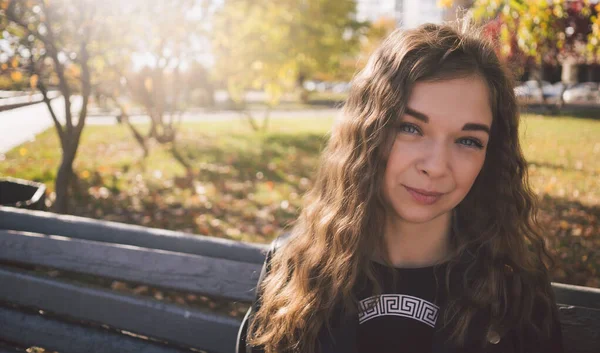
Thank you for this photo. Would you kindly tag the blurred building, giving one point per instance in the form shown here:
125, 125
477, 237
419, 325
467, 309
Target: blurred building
371, 10
408, 13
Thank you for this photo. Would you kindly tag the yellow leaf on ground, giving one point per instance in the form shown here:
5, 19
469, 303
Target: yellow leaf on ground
564, 224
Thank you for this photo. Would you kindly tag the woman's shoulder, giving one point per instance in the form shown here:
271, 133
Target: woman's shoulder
280, 241
539, 329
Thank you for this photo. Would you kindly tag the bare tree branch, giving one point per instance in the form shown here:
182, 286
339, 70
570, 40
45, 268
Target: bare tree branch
85, 84
250, 120
124, 116
59, 68
59, 127
176, 88
44, 90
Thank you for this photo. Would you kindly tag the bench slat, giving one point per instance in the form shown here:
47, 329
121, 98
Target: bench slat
580, 329
200, 274
8, 349
577, 295
121, 233
148, 317
28, 329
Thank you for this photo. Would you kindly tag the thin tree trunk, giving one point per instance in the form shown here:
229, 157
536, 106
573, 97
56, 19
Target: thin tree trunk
539, 82
139, 138
69, 134
124, 117
63, 180
251, 121
265, 124
182, 160
304, 94
561, 98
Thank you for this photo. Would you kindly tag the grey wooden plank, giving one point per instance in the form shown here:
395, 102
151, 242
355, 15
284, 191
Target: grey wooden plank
577, 295
169, 322
120, 233
200, 274
8, 349
580, 328
27, 329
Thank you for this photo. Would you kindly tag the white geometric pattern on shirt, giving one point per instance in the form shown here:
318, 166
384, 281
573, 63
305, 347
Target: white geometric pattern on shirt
399, 305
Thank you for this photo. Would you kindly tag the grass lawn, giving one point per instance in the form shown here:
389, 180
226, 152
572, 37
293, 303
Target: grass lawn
249, 186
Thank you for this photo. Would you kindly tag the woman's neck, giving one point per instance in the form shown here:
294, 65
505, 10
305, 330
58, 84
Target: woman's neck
418, 244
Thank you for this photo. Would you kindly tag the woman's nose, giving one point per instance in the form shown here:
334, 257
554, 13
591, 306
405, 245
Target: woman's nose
434, 161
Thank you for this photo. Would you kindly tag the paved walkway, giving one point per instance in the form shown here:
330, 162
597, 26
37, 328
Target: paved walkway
22, 124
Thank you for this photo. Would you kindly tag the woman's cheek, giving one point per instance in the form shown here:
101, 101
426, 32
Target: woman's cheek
468, 164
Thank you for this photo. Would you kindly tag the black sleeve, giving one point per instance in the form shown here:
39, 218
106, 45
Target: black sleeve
532, 342
555, 342
528, 339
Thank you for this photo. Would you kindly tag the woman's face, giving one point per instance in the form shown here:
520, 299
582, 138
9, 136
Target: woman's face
439, 149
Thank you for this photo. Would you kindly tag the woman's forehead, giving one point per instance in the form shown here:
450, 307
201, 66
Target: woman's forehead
460, 101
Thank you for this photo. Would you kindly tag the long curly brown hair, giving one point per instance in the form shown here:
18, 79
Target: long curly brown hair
341, 224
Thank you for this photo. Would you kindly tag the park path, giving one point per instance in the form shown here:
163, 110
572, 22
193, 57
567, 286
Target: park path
22, 124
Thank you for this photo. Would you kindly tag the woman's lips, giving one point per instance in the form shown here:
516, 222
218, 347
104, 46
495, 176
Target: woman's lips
422, 196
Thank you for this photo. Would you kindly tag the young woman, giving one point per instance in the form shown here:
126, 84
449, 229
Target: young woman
419, 234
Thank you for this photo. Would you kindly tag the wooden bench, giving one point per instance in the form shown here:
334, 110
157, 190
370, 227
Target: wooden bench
70, 317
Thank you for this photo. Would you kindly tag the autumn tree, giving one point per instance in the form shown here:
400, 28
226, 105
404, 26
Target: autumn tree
167, 38
275, 46
561, 32
374, 34
57, 39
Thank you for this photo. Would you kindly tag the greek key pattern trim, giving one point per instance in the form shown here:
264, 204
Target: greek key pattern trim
398, 305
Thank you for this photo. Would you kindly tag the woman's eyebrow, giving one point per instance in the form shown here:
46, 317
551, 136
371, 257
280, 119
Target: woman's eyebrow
476, 127
467, 127
424, 118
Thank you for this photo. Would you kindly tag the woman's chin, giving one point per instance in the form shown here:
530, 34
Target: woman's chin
419, 216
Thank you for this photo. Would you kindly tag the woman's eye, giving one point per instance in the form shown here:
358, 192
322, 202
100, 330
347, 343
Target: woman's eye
409, 128
469, 142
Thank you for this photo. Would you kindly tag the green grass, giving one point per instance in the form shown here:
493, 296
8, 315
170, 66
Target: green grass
564, 157
249, 186
110, 149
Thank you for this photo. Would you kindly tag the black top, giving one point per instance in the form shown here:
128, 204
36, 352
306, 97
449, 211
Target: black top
403, 320
343, 336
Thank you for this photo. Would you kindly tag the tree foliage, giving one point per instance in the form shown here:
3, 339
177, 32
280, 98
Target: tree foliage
537, 32
275, 45
375, 33
166, 38
547, 31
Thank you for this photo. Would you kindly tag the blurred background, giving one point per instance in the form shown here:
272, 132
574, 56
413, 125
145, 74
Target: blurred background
208, 116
